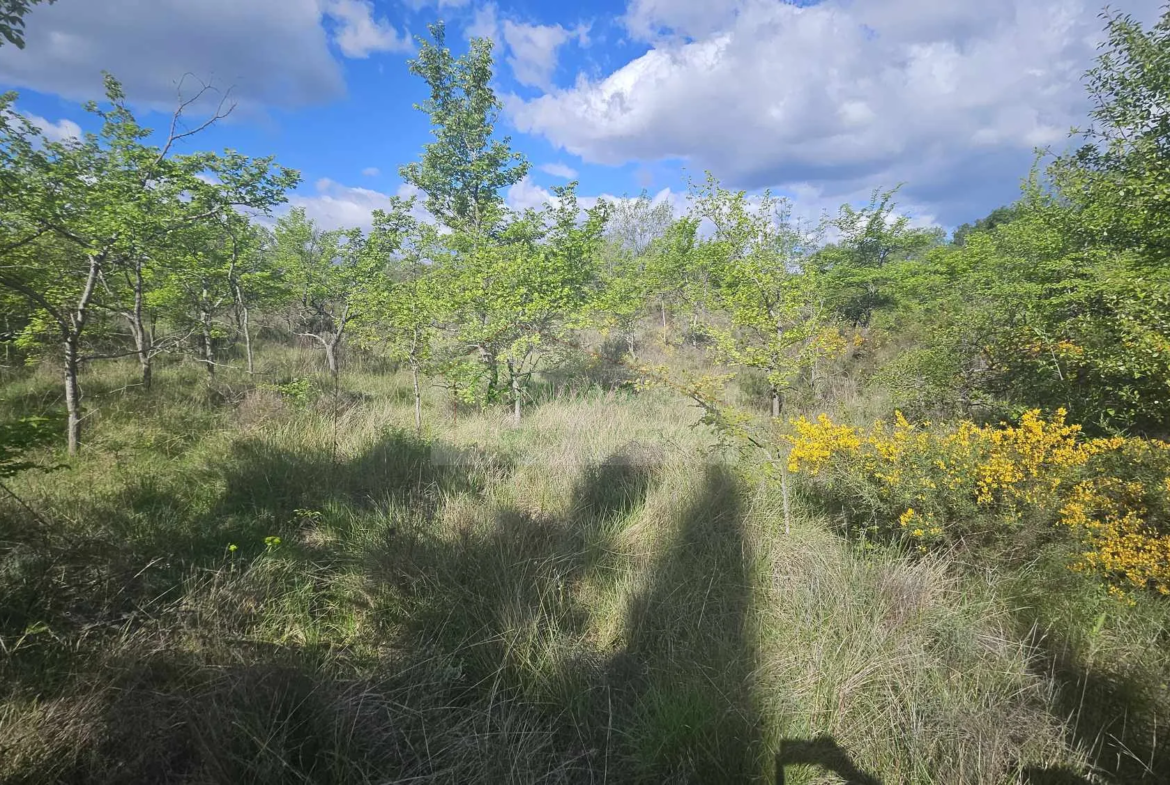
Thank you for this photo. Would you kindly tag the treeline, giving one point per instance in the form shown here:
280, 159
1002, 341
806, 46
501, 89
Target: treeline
113, 247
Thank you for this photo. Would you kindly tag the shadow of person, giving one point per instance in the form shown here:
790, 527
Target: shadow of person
822, 751
1034, 775
684, 681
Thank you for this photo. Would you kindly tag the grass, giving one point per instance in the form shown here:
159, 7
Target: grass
596, 595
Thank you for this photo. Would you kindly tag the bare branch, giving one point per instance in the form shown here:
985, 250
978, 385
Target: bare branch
174, 135
314, 336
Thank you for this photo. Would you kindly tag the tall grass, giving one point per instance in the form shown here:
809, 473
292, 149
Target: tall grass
235, 585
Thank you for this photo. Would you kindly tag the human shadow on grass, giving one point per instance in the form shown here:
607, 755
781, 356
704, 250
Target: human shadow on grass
822, 752
684, 680
128, 698
1034, 775
1112, 717
495, 579
141, 546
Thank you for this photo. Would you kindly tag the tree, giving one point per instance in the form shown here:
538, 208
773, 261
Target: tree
505, 299
103, 204
12, 13
331, 272
1119, 181
402, 306
757, 261
856, 276
463, 171
999, 215
255, 281
626, 282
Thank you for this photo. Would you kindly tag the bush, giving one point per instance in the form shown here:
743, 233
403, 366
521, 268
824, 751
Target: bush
930, 485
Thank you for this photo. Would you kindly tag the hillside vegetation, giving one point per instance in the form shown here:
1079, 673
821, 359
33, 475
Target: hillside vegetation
584, 494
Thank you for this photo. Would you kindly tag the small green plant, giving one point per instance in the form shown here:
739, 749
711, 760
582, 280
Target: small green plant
299, 391
271, 544
307, 516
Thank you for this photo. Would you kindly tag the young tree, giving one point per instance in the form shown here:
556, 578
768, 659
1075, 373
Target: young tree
402, 305
103, 202
254, 279
758, 267
626, 283
332, 272
463, 171
505, 299
856, 273
1119, 181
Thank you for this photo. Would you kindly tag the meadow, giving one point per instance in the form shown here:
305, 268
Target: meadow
278, 581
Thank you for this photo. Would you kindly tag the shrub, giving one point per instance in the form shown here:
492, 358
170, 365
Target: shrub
931, 484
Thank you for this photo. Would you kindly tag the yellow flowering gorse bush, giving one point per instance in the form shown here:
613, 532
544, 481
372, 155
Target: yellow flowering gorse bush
929, 483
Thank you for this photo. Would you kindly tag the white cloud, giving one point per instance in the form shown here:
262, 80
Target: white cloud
337, 206
418, 4
55, 132
559, 170
950, 97
648, 20
485, 24
534, 50
526, 194
359, 34
371, 171
273, 52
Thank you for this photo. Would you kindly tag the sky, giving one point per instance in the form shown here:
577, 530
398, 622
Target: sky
822, 102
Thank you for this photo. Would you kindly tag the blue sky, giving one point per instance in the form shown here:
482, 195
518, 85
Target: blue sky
819, 101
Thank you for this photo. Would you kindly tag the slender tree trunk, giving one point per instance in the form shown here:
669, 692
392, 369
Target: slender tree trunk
493, 372
331, 354
775, 402
146, 364
208, 348
72, 393
417, 399
631, 346
72, 330
515, 380
244, 326
142, 342
662, 306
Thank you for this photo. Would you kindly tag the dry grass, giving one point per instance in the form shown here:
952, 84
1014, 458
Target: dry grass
594, 596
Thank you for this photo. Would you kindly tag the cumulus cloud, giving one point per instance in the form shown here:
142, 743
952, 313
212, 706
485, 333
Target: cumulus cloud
533, 50
55, 132
526, 194
485, 24
949, 97
359, 34
272, 53
338, 206
559, 170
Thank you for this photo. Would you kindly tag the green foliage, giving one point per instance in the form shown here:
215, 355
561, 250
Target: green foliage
464, 169
12, 13
999, 215
859, 267
299, 392
754, 269
1119, 182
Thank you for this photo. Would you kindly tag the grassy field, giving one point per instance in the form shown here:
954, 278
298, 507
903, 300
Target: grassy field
233, 585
